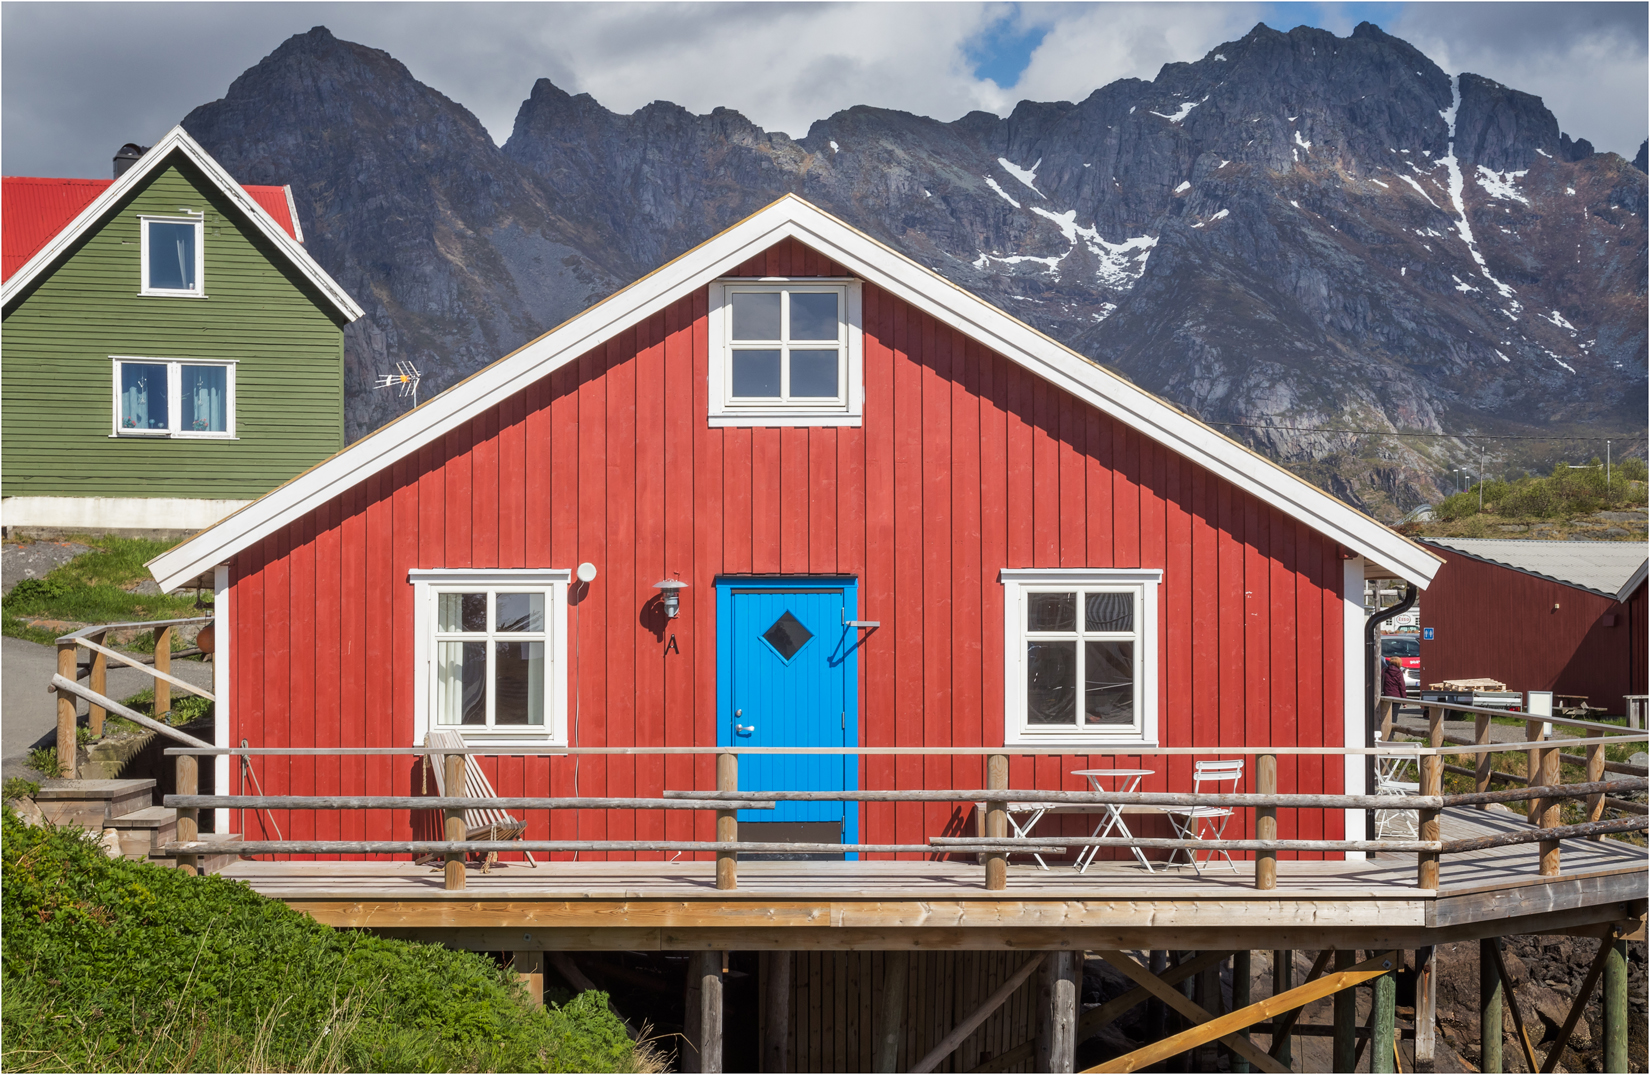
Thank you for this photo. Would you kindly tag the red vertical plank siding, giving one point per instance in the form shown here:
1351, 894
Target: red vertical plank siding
965, 464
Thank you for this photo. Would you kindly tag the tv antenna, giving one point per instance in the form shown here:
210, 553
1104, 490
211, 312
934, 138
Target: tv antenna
406, 376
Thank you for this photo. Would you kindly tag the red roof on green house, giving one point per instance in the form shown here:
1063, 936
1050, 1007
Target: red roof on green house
33, 210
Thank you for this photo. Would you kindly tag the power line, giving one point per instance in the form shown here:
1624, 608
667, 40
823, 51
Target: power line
1443, 436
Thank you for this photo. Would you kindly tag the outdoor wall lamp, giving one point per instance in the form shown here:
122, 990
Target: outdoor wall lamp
670, 593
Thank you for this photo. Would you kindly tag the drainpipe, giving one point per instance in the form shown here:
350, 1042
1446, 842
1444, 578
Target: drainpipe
1372, 683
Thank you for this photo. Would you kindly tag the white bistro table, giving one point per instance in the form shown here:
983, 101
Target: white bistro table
1111, 814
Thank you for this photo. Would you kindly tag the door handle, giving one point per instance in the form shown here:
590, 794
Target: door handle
744, 729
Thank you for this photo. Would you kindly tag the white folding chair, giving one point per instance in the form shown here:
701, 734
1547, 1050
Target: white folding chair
1391, 771
1207, 822
1017, 829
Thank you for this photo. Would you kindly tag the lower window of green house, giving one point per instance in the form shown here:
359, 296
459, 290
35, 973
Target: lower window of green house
174, 398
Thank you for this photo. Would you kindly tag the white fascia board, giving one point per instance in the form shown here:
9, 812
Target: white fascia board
178, 140
1633, 582
791, 217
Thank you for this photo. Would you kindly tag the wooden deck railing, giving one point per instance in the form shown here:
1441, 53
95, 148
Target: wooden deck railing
993, 845
66, 683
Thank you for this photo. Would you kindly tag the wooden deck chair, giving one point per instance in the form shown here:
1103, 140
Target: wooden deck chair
482, 823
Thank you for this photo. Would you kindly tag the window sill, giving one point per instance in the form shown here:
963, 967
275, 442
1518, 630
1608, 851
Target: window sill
1071, 744
760, 419
146, 294
168, 435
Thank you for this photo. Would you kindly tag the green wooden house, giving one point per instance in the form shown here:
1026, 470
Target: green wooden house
171, 351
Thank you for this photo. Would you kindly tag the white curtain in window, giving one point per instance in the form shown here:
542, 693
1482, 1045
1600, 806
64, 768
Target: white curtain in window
142, 396
206, 397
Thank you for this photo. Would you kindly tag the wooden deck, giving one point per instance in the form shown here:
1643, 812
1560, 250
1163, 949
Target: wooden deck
880, 904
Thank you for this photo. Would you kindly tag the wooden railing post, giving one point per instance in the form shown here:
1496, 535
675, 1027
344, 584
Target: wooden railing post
1552, 810
1595, 773
189, 829
1266, 821
1485, 763
66, 656
99, 682
1432, 783
996, 821
163, 663
453, 777
727, 822
1532, 768
1388, 711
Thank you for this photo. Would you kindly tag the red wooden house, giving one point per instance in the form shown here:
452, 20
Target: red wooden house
810, 432
1561, 616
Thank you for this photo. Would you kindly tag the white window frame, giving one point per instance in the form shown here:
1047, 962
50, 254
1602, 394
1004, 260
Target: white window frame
198, 221
174, 397
846, 410
553, 582
1017, 584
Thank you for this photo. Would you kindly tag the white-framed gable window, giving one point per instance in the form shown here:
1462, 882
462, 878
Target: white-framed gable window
173, 397
785, 352
173, 256
1080, 661
490, 653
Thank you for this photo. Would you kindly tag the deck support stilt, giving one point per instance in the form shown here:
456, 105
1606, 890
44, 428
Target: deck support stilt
1283, 980
1426, 1009
1157, 963
1059, 986
1206, 994
1346, 1019
896, 969
703, 1050
776, 988
1615, 1006
1383, 1035
1241, 974
529, 971
1490, 1020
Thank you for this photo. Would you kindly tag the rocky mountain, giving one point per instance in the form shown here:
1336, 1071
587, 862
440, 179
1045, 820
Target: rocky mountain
1295, 231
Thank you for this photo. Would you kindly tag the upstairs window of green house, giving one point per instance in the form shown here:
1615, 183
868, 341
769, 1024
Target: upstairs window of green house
174, 398
173, 257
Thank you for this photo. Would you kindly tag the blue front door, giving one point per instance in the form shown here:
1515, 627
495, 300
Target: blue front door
787, 679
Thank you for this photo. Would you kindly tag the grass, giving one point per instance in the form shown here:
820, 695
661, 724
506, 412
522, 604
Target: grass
91, 588
111, 965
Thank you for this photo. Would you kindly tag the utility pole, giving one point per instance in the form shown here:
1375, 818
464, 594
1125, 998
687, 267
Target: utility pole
1480, 475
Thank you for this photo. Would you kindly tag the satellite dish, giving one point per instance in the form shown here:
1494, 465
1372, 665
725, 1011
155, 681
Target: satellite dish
405, 377
587, 572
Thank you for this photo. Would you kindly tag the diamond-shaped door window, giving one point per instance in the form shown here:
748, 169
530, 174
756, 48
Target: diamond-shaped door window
787, 636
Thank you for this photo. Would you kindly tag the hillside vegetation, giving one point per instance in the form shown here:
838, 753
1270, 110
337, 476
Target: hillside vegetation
1574, 501
111, 965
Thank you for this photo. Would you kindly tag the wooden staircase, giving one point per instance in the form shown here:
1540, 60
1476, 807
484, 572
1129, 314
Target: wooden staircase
127, 807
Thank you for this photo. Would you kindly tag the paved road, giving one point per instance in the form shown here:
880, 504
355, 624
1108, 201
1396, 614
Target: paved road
28, 714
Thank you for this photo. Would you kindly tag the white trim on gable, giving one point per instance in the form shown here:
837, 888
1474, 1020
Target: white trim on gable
177, 140
793, 218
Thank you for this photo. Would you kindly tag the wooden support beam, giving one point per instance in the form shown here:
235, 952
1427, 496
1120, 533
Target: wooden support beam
1426, 1009
1242, 972
1551, 811
996, 821
1186, 1039
1058, 988
529, 970
66, 743
1280, 1039
1595, 774
896, 969
1283, 980
188, 776
1490, 1036
1485, 766
1206, 994
704, 1012
1344, 1057
99, 682
163, 672
776, 991
1511, 998
453, 871
1383, 1024
1224, 1027
1579, 1004
1615, 1008
727, 822
961, 1031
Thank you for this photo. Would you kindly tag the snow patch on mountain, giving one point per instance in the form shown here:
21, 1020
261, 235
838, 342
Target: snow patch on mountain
992, 183
1457, 183
1500, 184
1028, 176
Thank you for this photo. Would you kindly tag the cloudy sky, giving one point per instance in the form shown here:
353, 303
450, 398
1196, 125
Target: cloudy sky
79, 79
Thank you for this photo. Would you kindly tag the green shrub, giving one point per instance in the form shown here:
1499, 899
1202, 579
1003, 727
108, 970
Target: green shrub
32, 591
1456, 507
114, 965
43, 760
186, 708
19, 788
